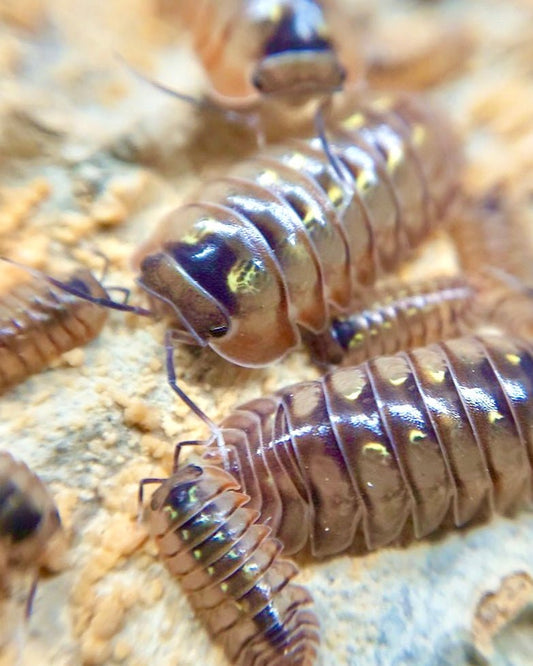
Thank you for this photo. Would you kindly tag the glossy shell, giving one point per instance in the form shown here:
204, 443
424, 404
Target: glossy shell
252, 48
397, 317
286, 240
397, 447
230, 569
39, 322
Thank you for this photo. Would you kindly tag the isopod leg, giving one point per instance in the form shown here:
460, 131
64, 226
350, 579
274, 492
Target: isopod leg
171, 376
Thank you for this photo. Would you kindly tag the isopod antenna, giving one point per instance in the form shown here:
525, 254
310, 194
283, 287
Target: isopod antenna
247, 116
76, 287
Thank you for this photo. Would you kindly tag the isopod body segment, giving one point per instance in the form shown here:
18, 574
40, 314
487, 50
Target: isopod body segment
230, 568
289, 237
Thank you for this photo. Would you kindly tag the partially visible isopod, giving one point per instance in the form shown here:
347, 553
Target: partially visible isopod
252, 49
397, 447
289, 237
40, 321
230, 568
396, 317
28, 519
402, 316
489, 232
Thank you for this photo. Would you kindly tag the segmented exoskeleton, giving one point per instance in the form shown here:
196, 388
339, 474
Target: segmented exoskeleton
28, 518
396, 447
401, 316
256, 48
40, 321
396, 317
231, 570
288, 238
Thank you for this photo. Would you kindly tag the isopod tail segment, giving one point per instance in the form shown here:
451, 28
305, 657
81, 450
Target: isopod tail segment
77, 287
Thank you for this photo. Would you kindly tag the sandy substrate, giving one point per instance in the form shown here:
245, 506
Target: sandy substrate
91, 158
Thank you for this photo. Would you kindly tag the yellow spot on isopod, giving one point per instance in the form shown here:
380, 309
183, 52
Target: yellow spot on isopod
356, 340
201, 228
364, 181
297, 161
419, 134
268, 177
494, 416
416, 436
514, 359
246, 277
376, 447
355, 121
250, 569
398, 381
185, 535
224, 587
197, 554
437, 376
336, 195
354, 395
310, 218
394, 157
173, 514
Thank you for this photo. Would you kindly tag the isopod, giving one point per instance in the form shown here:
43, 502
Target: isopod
28, 519
39, 321
231, 570
397, 447
289, 237
253, 49
396, 317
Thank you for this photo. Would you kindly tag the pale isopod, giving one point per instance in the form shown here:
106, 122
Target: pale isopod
397, 447
230, 568
28, 519
252, 49
40, 321
289, 237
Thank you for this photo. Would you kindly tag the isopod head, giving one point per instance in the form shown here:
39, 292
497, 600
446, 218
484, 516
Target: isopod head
183, 495
299, 58
221, 284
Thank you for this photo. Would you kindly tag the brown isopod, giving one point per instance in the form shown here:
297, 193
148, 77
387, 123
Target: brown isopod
397, 447
28, 520
42, 318
289, 237
230, 568
397, 316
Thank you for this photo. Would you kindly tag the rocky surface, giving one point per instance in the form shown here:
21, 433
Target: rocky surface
91, 157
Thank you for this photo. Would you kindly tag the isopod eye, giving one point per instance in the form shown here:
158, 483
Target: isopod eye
218, 331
